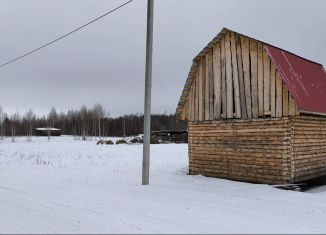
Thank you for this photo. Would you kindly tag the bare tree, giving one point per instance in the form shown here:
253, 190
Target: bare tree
52, 118
29, 120
75, 125
14, 120
2, 123
84, 122
99, 113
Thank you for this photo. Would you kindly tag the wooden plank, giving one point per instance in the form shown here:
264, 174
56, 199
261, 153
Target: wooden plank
279, 94
223, 71
297, 110
200, 92
211, 85
273, 91
217, 81
229, 79
267, 92
235, 76
194, 100
207, 87
197, 96
204, 87
285, 100
190, 105
241, 81
194, 97
186, 110
260, 80
246, 72
254, 77
292, 106
183, 114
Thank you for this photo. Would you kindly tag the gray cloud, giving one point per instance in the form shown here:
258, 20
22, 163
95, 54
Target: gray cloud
105, 62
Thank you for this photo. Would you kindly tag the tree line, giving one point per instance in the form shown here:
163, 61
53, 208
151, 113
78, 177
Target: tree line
82, 123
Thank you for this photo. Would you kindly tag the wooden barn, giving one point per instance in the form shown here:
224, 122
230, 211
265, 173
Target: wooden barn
255, 112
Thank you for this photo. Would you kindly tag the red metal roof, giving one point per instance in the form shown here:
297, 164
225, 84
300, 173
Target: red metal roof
306, 80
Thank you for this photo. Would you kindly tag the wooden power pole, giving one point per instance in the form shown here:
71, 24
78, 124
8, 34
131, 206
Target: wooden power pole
148, 93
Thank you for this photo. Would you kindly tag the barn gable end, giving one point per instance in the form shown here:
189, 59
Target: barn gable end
234, 77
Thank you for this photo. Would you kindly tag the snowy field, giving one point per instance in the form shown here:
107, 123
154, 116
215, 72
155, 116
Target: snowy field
67, 186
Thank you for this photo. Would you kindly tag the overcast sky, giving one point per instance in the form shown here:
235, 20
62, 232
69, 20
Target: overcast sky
105, 62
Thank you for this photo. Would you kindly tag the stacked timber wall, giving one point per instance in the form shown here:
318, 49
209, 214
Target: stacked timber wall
309, 147
270, 151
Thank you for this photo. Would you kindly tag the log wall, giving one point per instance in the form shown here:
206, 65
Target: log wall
309, 147
270, 151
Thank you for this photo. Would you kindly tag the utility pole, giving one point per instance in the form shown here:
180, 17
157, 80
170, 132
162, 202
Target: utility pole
148, 92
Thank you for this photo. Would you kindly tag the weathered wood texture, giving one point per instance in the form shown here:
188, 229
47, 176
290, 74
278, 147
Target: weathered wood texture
270, 151
242, 150
237, 80
309, 147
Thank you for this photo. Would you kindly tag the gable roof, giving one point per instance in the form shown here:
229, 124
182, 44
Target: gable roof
305, 79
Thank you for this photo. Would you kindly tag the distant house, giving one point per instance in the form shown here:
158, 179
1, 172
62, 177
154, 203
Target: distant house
45, 131
255, 112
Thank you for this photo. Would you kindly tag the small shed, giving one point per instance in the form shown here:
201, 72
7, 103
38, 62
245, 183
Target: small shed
255, 112
46, 131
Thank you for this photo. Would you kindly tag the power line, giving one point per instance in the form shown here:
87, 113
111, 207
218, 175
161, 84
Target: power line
66, 35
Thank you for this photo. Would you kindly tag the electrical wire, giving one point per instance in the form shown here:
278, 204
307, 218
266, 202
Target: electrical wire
65, 35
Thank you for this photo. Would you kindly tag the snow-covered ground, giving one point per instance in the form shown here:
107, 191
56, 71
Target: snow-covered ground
67, 186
